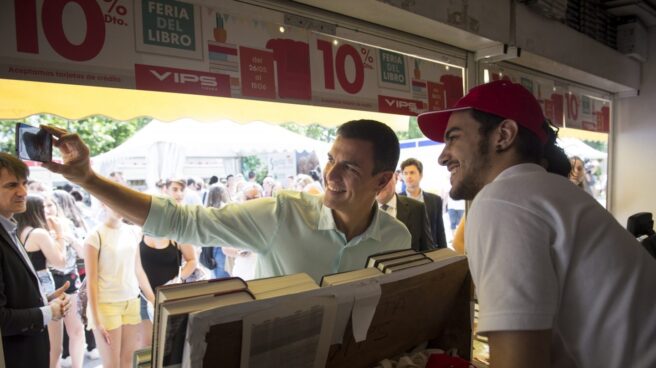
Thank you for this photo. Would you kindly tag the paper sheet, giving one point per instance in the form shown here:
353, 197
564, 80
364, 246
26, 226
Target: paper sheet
295, 334
344, 296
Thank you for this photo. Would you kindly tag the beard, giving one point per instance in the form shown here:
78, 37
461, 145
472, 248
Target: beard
472, 180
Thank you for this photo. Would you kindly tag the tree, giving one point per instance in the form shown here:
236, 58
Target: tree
314, 131
100, 133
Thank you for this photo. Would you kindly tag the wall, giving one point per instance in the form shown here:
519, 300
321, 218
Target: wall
633, 168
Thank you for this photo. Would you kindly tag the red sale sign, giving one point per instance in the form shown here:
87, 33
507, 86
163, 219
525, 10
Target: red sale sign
257, 78
224, 50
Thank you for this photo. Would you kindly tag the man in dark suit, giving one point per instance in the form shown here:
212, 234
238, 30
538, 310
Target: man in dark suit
24, 310
412, 170
410, 212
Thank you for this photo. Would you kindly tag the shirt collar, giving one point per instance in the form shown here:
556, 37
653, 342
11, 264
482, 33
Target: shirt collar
519, 170
420, 197
8, 224
327, 222
391, 203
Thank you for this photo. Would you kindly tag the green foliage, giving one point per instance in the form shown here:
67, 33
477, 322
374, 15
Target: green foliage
314, 131
412, 132
598, 145
253, 163
100, 133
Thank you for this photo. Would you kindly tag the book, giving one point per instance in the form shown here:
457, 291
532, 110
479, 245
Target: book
272, 287
173, 321
442, 253
405, 310
349, 276
142, 358
188, 290
374, 259
406, 265
382, 265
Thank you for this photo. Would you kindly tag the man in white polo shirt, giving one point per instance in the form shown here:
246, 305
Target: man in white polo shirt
560, 282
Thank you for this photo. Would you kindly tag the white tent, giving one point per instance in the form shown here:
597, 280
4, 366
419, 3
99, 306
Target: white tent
576, 147
165, 146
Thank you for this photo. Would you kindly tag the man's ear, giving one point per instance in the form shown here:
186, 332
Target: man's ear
383, 178
507, 133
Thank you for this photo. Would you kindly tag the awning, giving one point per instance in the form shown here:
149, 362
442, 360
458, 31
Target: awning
20, 99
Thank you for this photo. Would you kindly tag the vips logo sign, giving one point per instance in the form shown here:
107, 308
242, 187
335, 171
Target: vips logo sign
158, 78
396, 105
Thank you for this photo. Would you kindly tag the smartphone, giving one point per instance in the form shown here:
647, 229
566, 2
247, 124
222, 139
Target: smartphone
33, 143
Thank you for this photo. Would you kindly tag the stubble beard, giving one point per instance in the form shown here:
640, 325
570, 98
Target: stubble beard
472, 181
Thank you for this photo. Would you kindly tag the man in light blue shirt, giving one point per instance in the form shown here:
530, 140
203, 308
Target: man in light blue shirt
291, 233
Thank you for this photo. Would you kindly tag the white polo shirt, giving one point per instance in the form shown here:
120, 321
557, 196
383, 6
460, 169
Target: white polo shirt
545, 255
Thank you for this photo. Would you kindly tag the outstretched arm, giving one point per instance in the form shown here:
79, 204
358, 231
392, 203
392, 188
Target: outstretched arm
76, 167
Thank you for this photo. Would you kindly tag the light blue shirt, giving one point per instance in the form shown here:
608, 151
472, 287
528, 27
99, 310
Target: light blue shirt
10, 227
293, 232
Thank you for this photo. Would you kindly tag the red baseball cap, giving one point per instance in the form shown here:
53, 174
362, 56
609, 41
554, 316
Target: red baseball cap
502, 98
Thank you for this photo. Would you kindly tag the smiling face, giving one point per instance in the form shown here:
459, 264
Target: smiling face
466, 155
13, 193
350, 185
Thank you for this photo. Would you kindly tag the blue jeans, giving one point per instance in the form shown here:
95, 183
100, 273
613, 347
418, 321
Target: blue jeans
219, 271
454, 217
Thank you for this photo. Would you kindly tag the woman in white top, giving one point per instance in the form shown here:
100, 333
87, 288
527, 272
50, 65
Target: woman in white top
114, 275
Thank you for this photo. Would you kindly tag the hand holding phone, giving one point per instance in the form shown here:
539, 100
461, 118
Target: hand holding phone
33, 143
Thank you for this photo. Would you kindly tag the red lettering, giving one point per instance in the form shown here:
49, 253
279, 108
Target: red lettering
52, 19
343, 52
328, 70
26, 26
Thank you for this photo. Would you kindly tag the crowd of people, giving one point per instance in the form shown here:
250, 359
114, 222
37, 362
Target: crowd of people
68, 237
558, 280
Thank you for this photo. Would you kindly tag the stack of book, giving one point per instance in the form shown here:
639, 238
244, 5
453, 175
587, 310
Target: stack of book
175, 303
388, 262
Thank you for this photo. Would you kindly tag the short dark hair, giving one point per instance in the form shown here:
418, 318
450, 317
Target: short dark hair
529, 147
384, 141
180, 181
213, 179
14, 165
413, 161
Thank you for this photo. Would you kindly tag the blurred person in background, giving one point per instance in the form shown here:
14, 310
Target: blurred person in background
70, 216
162, 259
213, 257
577, 175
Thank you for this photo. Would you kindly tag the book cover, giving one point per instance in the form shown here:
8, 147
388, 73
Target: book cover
406, 265
374, 259
381, 265
349, 276
272, 287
